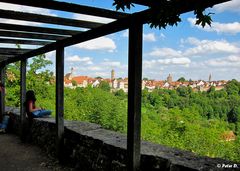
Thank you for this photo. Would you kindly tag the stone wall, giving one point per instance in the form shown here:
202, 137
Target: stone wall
88, 146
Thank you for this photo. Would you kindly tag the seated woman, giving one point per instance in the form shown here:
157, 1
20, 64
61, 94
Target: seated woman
4, 123
31, 109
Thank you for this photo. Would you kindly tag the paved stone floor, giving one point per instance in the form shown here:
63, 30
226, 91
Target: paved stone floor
15, 155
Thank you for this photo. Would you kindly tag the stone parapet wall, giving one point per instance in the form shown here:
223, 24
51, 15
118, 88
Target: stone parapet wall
88, 146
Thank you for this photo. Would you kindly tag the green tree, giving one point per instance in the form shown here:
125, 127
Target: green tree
38, 79
145, 78
233, 87
181, 79
74, 83
234, 115
184, 91
98, 77
104, 85
121, 94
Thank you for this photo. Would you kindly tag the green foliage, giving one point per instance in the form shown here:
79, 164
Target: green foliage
104, 86
178, 118
233, 87
145, 79
163, 14
74, 83
193, 121
122, 4
203, 19
98, 77
97, 106
37, 80
181, 79
120, 94
161, 18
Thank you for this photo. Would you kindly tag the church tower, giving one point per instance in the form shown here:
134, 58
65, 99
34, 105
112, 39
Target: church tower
210, 78
69, 76
169, 78
112, 75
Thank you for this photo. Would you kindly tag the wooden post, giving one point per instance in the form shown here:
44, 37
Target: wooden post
134, 96
23, 90
60, 100
2, 93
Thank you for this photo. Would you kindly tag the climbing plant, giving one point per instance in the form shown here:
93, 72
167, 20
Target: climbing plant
160, 17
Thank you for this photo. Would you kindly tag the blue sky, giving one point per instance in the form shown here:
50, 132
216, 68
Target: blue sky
184, 51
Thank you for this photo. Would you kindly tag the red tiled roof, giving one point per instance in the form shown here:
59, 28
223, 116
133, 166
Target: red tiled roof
228, 136
80, 79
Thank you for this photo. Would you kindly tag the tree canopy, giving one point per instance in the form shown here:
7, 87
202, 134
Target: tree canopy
181, 118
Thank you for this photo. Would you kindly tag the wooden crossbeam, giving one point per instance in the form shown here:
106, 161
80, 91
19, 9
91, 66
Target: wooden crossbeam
2, 57
30, 35
106, 29
37, 29
47, 19
180, 5
13, 51
23, 41
69, 7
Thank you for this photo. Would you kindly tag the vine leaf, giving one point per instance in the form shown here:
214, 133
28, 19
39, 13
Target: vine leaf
121, 4
203, 19
163, 15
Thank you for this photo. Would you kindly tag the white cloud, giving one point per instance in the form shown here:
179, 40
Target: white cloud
21, 8
233, 5
175, 61
76, 58
166, 52
92, 18
151, 64
229, 28
102, 43
102, 68
102, 74
150, 37
212, 53
162, 36
112, 63
51, 55
230, 61
212, 47
191, 41
10, 21
94, 68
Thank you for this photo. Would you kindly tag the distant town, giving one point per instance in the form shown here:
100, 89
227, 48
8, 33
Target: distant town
115, 84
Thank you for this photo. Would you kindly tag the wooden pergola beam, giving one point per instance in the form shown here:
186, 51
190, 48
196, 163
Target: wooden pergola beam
3, 56
110, 28
70, 7
23, 41
30, 35
2, 94
106, 29
13, 51
134, 96
35, 29
60, 100
47, 19
23, 73
180, 5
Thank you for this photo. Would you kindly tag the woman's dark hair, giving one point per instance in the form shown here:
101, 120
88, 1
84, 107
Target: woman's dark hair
30, 95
